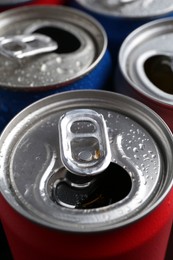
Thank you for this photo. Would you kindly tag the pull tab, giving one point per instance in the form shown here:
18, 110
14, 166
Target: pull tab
21, 46
84, 142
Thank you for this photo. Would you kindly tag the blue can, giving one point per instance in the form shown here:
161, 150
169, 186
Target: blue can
44, 50
120, 17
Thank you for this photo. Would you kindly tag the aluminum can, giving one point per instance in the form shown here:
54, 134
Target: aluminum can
121, 17
44, 50
87, 175
145, 67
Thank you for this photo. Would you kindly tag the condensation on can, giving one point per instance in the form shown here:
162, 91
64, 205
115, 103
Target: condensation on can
120, 18
145, 67
133, 226
79, 60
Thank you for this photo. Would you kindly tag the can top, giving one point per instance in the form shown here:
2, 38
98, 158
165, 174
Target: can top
146, 57
128, 8
33, 176
60, 52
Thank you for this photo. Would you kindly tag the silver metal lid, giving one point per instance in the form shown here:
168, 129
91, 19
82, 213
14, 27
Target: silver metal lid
140, 171
129, 8
80, 46
145, 60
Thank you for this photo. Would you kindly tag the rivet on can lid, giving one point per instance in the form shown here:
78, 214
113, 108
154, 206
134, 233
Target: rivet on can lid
84, 142
21, 46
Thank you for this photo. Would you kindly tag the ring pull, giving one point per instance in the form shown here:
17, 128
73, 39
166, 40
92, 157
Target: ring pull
84, 142
22, 46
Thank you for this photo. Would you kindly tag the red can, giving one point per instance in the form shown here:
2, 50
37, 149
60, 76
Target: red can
145, 71
87, 175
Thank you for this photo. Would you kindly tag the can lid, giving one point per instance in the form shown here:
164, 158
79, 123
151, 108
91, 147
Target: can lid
80, 47
146, 60
35, 182
128, 8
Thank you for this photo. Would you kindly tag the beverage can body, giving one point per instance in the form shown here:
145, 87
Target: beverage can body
47, 51
97, 180
120, 18
144, 72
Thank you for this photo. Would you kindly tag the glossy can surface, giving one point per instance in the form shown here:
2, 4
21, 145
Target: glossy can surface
79, 210
121, 17
47, 51
145, 71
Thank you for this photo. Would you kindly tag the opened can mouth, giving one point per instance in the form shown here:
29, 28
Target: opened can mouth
110, 187
59, 184
158, 69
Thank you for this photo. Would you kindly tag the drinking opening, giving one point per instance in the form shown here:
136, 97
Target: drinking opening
159, 70
111, 186
67, 42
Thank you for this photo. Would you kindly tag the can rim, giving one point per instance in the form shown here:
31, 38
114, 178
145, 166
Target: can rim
155, 123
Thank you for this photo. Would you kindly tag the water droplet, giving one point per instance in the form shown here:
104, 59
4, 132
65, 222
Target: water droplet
43, 67
136, 157
141, 146
59, 70
58, 60
135, 150
110, 115
19, 79
153, 156
78, 63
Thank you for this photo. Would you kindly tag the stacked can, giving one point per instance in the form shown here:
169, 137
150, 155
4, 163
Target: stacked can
121, 17
145, 67
8, 4
44, 50
87, 175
